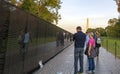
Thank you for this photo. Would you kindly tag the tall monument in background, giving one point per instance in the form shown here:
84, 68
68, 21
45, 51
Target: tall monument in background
87, 24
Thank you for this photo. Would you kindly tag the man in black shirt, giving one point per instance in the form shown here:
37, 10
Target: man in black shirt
79, 39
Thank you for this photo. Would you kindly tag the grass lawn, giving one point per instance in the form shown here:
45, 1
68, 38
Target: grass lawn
109, 44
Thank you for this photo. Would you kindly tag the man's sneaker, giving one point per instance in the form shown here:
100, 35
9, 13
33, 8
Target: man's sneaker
89, 72
80, 72
93, 71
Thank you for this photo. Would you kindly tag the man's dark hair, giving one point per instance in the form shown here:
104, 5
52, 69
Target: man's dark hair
79, 28
86, 32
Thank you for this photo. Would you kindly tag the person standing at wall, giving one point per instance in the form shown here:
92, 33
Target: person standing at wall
23, 40
62, 38
91, 53
87, 39
20, 41
58, 39
26, 41
98, 43
79, 39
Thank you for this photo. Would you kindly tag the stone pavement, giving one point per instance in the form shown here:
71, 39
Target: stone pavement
63, 63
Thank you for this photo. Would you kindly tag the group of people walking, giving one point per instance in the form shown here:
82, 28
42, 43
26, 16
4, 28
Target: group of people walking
91, 43
61, 37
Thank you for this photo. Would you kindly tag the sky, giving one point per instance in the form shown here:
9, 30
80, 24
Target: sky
75, 13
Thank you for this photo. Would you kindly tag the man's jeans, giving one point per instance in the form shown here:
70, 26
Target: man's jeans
78, 55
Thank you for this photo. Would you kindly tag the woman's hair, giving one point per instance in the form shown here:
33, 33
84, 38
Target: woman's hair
91, 34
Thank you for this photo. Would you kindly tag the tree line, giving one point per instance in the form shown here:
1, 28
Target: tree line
112, 30
46, 9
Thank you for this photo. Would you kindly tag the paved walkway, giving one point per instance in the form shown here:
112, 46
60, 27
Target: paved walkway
63, 63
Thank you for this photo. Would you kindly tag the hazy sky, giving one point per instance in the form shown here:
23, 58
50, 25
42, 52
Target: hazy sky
75, 12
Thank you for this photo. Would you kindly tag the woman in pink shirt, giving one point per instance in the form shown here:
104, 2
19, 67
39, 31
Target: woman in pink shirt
91, 53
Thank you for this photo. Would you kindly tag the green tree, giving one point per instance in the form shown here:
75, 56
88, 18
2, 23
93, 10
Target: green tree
112, 21
110, 30
113, 30
91, 30
29, 5
117, 28
101, 31
12, 1
46, 9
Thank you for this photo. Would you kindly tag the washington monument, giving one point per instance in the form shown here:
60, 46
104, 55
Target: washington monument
87, 24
